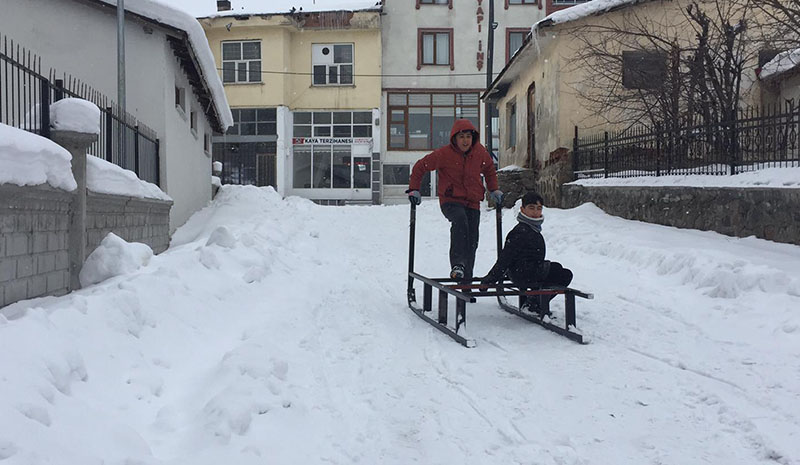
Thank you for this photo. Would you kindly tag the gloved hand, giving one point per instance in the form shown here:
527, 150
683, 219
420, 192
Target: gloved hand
497, 197
414, 197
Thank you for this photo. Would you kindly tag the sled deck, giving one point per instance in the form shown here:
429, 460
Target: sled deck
467, 292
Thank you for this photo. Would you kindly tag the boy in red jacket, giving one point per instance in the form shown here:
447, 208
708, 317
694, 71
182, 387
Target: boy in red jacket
459, 165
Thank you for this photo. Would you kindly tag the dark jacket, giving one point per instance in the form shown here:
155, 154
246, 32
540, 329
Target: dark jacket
522, 258
459, 173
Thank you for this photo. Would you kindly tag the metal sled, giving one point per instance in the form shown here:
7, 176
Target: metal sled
467, 292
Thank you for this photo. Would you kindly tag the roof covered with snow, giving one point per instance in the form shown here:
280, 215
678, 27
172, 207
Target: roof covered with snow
208, 8
594, 7
203, 59
782, 63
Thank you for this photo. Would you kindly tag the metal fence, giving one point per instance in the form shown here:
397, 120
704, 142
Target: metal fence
758, 138
26, 95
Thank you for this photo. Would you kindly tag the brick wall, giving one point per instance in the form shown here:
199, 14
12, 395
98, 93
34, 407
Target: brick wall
34, 231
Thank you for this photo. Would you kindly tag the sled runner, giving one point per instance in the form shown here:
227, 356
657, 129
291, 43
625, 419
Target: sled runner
467, 292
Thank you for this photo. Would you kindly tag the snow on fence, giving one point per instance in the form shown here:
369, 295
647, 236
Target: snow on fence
758, 138
25, 99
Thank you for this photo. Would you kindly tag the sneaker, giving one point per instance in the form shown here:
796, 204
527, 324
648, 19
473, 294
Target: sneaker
457, 272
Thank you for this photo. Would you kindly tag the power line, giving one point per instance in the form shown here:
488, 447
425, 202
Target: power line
296, 73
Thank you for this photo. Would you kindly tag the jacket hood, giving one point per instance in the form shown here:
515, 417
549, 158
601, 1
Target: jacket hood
463, 125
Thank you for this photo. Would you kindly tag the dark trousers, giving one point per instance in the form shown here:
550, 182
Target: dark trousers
464, 224
557, 275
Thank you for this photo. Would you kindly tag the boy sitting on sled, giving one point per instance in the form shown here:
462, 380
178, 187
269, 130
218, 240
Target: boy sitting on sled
523, 256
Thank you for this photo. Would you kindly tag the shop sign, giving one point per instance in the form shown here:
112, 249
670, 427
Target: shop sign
330, 140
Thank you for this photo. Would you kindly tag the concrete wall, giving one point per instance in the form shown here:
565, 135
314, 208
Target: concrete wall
772, 214
34, 224
81, 39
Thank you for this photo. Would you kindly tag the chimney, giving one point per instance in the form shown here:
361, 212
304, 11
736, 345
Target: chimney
223, 5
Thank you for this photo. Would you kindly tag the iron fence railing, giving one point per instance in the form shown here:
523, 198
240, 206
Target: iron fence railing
757, 138
25, 99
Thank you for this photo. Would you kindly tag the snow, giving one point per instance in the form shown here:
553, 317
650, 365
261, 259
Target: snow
208, 8
30, 160
171, 16
512, 168
216, 181
113, 257
782, 63
286, 339
74, 114
786, 177
107, 178
582, 10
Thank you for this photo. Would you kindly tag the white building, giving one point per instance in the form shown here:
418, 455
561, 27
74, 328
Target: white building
434, 70
172, 86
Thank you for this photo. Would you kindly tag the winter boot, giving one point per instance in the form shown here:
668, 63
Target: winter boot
457, 272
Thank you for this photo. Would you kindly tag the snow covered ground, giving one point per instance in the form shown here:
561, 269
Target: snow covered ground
276, 331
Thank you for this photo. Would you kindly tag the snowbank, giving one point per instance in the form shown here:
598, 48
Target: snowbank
114, 257
107, 178
512, 168
30, 160
788, 177
782, 63
74, 114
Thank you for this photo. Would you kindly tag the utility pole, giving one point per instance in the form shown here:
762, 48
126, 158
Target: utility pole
489, 78
121, 75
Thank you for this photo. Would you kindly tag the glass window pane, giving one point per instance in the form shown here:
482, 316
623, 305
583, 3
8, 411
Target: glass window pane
419, 99
443, 48
419, 127
427, 49
443, 119
398, 99
396, 175
343, 53
362, 131
362, 176
302, 117
443, 99
228, 71
342, 131
231, 51
333, 75
322, 117
322, 131
346, 74
255, 71
301, 165
425, 188
267, 114
342, 117
319, 75
398, 116
397, 136
321, 171
467, 99
302, 131
233, 130
247, 115
248, 129
267, 129
364, 117
515, 40
241, 69
251, 51
341, 166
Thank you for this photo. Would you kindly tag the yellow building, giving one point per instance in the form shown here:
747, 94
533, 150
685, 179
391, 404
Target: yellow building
305, 91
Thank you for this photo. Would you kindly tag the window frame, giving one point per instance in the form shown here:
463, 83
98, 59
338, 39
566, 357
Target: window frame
249, 73
312, 125
449, 4
514, 30
180, 99
524, 3
637, 77
338, 66
406, 119
432, 30
235, 130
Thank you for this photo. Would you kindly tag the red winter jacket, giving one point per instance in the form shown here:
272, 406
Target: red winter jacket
459, 173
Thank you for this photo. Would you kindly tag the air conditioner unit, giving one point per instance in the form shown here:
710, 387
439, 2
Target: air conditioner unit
322, 54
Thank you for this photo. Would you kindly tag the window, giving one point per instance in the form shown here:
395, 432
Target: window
643, 69
511, 115
207, 143
521, 2
180, 98
514, 40
332, 124
449, 3
396, 175
434, 47
252, 163
254, 122
332, 64
193, 121
422, 121
330, 166
241, 61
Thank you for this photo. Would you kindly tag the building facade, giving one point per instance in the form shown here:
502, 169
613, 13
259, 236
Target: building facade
304, 88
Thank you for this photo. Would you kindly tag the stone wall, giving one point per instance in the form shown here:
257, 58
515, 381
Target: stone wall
546, 180
772, 214
34, 233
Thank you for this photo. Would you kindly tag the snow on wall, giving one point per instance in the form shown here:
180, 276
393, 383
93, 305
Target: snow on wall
30, 160
107, 178
179, 19
783, 62
74, 114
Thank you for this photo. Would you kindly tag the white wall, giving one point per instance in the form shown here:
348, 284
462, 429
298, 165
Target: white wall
81, 40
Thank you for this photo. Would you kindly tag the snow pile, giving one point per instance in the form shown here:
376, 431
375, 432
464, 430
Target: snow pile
782, 63
114, 257
276, 331
216, 181
512, 168
240, 7
74, 114
107, 178
787, 177
30, 160
582, 10
171, 16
